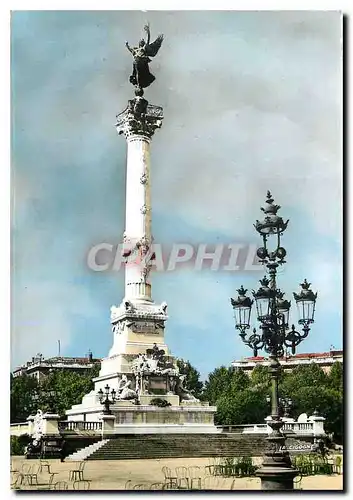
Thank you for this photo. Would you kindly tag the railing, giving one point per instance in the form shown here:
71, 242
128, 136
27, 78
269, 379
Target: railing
299, 427
79, 426
18, 428
295, 427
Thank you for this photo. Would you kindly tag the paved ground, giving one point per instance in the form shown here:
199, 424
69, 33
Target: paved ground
112, 475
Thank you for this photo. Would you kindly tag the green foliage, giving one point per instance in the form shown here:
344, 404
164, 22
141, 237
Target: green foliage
309, 465
335, 378
310, 389
24, 397
242, 407
61, 389
234, 466
56, 392
17, 444
310, 375
225, 381
261, 376
242, 400
192, 380
161, 403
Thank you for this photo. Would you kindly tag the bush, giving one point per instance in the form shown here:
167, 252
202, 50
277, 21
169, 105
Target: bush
161, 403
233, 466
18, 443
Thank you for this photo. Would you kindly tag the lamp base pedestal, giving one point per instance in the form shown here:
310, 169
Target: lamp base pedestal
276, 472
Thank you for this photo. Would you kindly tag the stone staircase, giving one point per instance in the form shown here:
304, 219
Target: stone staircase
144, 446
84, 453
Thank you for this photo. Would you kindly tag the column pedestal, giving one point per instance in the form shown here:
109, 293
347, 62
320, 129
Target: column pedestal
108, 422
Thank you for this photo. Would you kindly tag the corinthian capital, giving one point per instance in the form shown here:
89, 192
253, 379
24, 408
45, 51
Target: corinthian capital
139, 118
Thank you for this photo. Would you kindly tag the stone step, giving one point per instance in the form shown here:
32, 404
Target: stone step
178, 446
84, 453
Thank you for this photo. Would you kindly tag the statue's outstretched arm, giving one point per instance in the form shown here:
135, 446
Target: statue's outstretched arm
128, 47
147, 29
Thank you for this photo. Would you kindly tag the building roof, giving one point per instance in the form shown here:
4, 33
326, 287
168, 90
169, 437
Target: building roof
57, 361
306, 355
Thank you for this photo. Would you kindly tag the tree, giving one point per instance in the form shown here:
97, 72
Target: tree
261, 376
241, 399
242, 407
24, 395
225, 381
62, 388
310, 389
304, 376
335, 377
218, 383
57, 392
192, 379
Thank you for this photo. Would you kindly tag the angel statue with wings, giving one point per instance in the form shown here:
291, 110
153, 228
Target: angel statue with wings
141, 76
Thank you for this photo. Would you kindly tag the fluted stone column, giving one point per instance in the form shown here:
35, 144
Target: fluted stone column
138, 123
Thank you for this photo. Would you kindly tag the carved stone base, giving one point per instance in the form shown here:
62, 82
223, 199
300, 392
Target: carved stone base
137, 326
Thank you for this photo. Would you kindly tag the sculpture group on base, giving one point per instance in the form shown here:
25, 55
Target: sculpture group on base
154, 369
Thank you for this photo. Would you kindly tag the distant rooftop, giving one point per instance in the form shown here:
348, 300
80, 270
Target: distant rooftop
39, 362
288, 361
306, 355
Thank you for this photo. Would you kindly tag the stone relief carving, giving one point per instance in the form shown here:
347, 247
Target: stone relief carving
128, 305
146, 269
118, 327
144, 178
154, 362
124, 390
163, 307
142, 312
182, 392
143, 327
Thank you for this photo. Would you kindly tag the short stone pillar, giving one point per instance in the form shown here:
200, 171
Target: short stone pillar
318, 424
50, 424
108, 422
30, 421
268, 428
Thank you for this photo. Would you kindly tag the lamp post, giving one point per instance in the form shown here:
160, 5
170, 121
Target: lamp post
105, 400
284, 405
274, 336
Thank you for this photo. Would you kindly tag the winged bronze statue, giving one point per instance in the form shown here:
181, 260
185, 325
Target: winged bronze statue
141, 76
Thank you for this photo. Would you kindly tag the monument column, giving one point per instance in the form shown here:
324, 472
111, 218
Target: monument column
138, 123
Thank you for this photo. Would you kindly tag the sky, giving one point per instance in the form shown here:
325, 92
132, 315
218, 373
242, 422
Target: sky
252, 101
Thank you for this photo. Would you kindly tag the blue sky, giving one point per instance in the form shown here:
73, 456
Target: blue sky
252, 101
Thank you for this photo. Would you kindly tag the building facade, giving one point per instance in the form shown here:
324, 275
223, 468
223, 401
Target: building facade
324, 359
40, 367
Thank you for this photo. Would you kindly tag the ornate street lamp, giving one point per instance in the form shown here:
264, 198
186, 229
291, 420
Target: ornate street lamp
242, 309
105, 400
284, 405
274, 336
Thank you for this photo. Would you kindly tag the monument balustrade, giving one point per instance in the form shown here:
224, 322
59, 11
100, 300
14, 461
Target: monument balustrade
19, 429
79, 426
299, 427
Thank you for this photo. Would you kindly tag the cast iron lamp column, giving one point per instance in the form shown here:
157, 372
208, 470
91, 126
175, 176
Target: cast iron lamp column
104, 399
285, 405
276, 472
